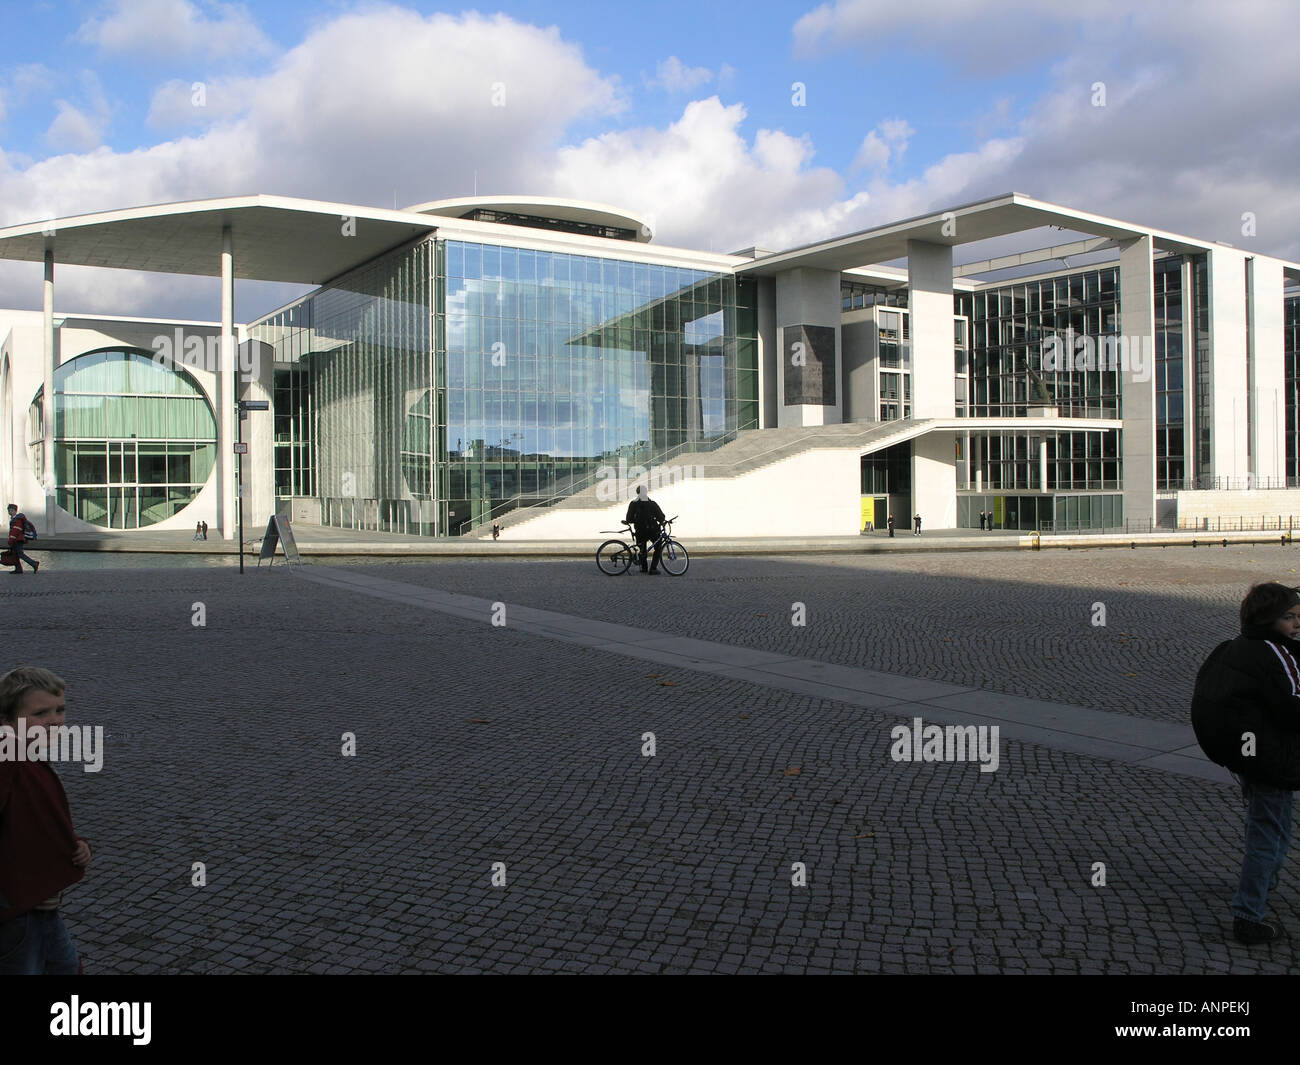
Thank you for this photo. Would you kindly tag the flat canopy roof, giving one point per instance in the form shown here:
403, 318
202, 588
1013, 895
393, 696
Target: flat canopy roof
599, 214
275, 238
1000, 216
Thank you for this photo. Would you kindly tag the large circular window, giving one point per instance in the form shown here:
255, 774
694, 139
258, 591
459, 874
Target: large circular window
134, 441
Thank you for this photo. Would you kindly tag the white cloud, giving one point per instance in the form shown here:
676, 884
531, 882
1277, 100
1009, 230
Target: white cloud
873, 153
883, 145
676, 76
81, 128
172, 29
1199, 125
707, 185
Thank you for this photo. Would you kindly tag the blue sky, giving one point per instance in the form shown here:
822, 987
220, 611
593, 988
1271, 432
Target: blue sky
680, 111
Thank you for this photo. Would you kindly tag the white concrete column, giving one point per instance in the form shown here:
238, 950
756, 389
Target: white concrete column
929, 283
1228, 384
47, 401
934, 481
1267, 369
1042, 464
227, 514
1191, 461
808, 337
1137, 327
259, 434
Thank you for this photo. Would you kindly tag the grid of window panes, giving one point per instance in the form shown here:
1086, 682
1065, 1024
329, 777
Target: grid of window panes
134, 442
292, 406
363, 347
961, 364
1291, 365
1201, 324
1010, 324
1170, 425
894, 359
558, 364
1078, 460
855, 295
1063, 513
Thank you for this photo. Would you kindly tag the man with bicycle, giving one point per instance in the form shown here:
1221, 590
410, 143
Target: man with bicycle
646, 519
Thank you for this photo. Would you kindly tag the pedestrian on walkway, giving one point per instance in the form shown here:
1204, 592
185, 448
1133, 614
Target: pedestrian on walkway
496, 530
198, 530
205, 530
1246, 714
916, 524
20, 531
981, 521
41, 855
891, 526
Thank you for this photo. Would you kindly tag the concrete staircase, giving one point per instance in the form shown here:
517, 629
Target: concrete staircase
751, 450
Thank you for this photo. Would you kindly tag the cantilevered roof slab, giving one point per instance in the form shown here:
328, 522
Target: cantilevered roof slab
275, 238
998, 217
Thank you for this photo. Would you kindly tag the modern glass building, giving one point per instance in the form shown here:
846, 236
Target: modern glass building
467, 361
452, 381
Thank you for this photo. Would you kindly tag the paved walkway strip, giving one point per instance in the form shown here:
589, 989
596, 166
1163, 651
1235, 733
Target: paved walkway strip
1078, 730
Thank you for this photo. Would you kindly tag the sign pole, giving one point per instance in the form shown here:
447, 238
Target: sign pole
239, 478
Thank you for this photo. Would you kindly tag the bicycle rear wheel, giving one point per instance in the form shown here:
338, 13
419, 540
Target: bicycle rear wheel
613, 557
674, 559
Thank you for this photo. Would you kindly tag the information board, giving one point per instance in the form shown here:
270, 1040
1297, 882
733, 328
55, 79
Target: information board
279, 531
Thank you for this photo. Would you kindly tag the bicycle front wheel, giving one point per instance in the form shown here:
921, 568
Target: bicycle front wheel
613, 557
674, 559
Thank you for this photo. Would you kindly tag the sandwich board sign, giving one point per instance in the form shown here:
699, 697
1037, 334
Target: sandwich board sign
278, 531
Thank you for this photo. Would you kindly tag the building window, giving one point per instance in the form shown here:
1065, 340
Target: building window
134, 442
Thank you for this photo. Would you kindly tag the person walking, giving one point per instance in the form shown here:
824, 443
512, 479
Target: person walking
916, 524
198, 530
20, 531
891, 526
981, 521
1246, 716
205, 530
496, 530
646, 519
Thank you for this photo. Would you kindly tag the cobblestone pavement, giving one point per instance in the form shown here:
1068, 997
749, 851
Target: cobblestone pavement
1020, 622
477, 744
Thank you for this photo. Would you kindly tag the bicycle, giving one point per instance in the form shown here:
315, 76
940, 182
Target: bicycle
616, 556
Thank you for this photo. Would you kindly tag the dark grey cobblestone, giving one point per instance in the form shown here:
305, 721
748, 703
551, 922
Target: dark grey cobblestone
479, 744
1017, 621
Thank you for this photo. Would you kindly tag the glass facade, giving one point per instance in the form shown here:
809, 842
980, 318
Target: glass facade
1170, 423
134, 442
1291, 369
362, 359
448, 383
1011, 323
557, 364
1204, 471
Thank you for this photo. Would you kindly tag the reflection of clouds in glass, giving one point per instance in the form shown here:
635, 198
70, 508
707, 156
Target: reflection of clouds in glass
702, 330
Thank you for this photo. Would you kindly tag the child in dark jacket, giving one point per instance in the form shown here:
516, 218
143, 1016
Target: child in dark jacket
1246, 713
40, 853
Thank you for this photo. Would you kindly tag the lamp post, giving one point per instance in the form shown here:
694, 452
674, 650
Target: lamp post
245, 405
